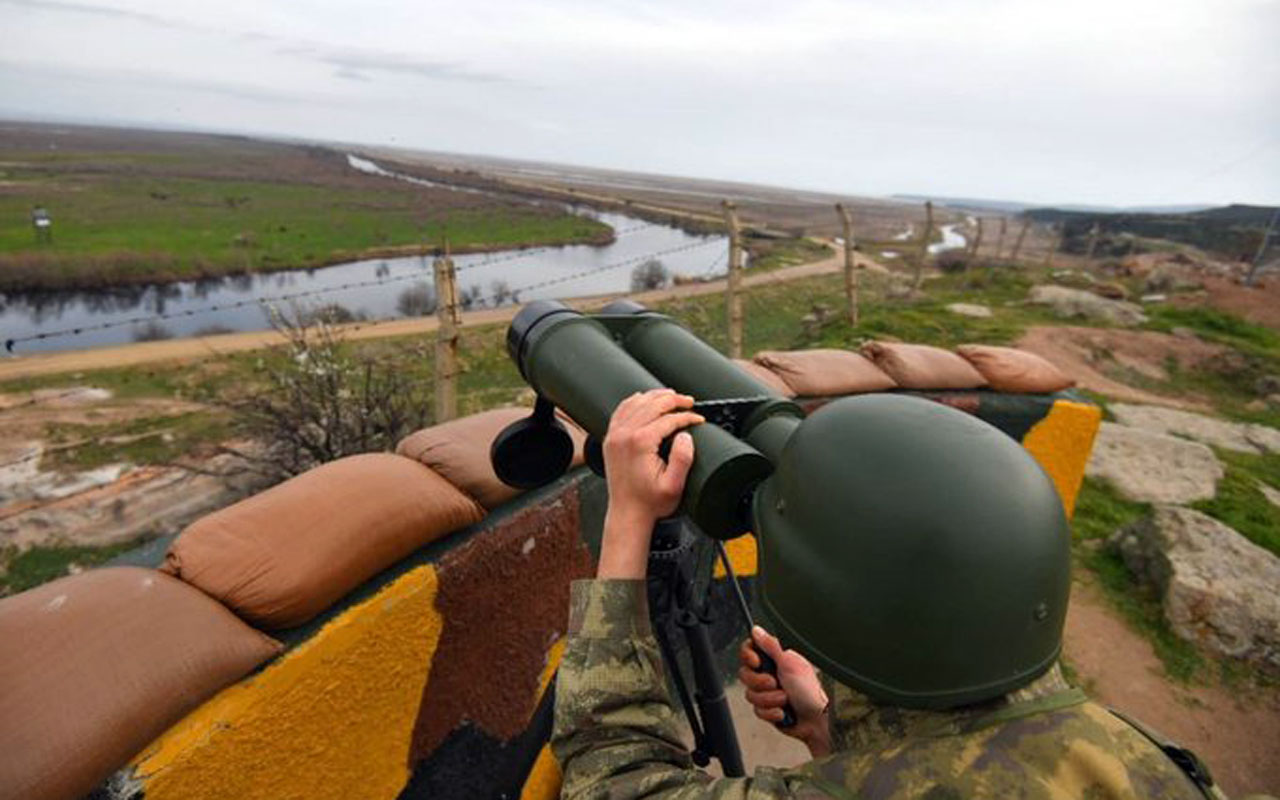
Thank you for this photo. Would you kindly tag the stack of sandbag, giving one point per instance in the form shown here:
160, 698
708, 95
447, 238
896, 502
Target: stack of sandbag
883, 366
280, 557
459, 451
95, 666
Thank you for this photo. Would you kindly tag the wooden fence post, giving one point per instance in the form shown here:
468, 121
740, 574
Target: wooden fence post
446, 389
923, 251
850, 265
1259, 258
977, 243
735, 279
1017, 244
1055, 245
1004, 225
1093, 241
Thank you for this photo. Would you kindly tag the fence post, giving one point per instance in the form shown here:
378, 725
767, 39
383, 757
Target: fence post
446, 390
977, 238
850, 265
1017, 244
1055, 245
1004, 225
1093, 241
923, 252
1259, 258
735, 279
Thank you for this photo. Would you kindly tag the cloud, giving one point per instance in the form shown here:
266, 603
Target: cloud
355, 64
101, 11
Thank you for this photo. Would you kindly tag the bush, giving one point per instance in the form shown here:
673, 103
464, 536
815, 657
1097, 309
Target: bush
418, 300
652, 274
953, 260
152, 332
330, 314
316, 399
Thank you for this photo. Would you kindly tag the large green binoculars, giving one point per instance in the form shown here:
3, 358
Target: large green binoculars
588, 364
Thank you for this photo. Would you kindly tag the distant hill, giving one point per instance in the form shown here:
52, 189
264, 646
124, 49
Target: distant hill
1017, 206
1232, 231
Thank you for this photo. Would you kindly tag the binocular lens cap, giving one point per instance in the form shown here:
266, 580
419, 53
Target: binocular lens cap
531, 452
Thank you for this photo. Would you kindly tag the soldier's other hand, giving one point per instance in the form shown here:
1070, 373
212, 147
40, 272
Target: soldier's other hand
799, 686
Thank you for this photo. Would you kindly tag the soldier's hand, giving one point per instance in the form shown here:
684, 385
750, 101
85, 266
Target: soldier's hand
799, 686
643, 487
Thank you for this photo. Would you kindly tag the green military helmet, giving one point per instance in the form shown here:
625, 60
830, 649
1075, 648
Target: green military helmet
913, 552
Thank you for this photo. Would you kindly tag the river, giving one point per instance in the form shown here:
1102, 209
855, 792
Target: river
370, 288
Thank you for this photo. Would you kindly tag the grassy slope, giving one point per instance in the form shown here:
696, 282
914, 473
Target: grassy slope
140, 217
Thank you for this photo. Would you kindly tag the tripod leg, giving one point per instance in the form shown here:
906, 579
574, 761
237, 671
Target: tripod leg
713, 706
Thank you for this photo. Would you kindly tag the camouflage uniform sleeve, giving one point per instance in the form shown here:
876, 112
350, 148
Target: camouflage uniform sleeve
616, 734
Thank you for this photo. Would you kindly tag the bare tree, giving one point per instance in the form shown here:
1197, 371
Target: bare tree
418, 300
500, 292
316, 398
652, 274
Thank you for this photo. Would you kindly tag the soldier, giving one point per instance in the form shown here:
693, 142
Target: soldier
930, 711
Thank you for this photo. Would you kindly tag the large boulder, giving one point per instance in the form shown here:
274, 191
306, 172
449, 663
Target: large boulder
1150, 467
1079, 304
1242, 437
1217, 588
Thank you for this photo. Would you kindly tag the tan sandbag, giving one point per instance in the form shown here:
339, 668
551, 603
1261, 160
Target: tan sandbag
920, 366
459, 451
1010, 370
281, 557
95, 666
766, 376
825, 373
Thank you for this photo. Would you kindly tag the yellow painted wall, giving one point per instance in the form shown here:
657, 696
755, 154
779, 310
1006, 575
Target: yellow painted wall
288, 732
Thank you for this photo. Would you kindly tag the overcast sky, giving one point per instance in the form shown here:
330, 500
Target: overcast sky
1102, 101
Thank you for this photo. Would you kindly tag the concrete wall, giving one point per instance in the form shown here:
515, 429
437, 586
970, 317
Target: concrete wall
426, 681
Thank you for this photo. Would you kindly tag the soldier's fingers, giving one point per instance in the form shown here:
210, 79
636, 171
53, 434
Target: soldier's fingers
627, 409
774, 699
770, 714
768, 643
747, 655
756, 681
655, 403
664, 426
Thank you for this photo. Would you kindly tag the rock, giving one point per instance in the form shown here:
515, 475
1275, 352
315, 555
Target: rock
969, 310
1075, 303
1112, 291
1071, 277
1153, 298
1242, 437
142, 503
1272, 495
1170, 277
1150, 467
1218, 589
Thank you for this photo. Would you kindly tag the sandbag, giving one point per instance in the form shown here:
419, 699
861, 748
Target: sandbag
825, 373
459, 451
1010, 370
766, 376
281, 557
920, 366
95, 666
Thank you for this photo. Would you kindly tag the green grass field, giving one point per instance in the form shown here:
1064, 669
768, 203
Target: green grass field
124, 216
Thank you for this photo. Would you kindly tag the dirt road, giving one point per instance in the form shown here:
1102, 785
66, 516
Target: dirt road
207, 346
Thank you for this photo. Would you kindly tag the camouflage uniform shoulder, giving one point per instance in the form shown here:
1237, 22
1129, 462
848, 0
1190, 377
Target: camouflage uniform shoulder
1079, 750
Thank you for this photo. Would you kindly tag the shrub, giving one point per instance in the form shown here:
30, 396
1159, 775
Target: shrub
317, 398
652, 274
418, 300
